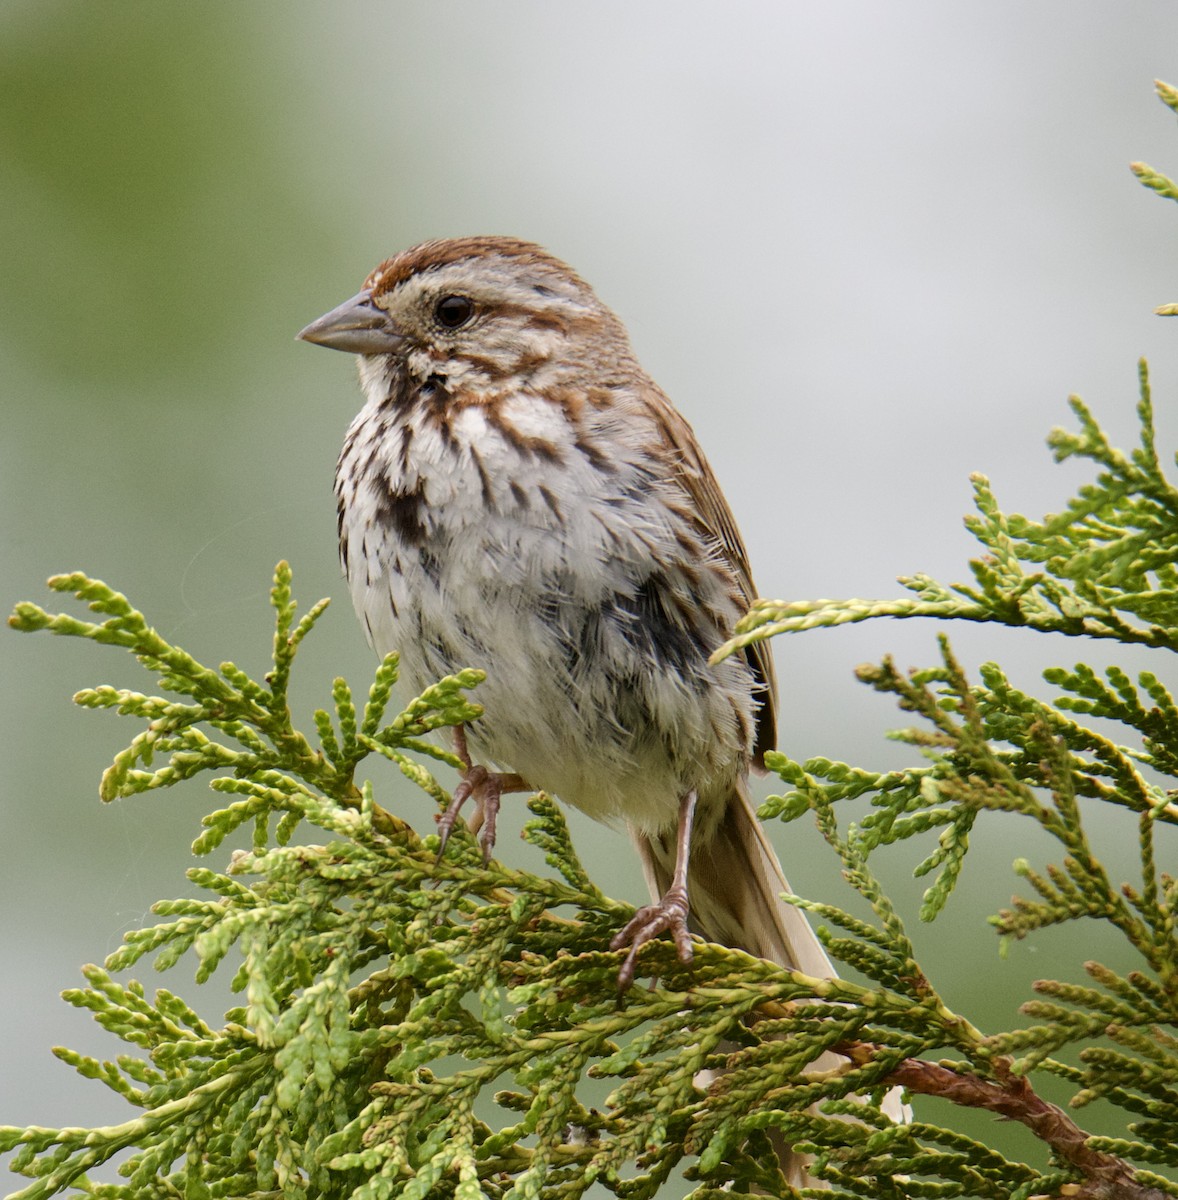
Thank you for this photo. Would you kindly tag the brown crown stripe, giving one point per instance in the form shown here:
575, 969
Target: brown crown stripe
429, 256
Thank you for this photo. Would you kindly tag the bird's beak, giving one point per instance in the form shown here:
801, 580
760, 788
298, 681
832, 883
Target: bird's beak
357, 326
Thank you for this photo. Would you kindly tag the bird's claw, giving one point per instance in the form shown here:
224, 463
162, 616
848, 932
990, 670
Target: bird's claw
668, 915
486, 787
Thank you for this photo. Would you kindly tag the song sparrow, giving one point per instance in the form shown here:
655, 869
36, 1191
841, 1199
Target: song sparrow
517, 494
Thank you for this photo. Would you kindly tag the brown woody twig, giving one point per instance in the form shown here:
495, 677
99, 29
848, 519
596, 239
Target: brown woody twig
1106, 1177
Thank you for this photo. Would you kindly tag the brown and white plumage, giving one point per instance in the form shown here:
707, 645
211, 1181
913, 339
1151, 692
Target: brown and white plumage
517, 494
521, 495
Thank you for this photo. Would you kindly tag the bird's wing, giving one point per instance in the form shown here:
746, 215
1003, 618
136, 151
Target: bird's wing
699, 481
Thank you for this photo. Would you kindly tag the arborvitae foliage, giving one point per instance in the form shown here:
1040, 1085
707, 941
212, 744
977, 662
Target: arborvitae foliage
413, 1028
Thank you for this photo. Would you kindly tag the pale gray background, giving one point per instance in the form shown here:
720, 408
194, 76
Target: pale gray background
867, 248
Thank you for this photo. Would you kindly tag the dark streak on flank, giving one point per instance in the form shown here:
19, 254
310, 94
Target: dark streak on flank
657, 630
340, 510
402, 510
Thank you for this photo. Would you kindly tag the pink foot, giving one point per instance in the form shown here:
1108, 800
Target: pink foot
668, 915
486, 787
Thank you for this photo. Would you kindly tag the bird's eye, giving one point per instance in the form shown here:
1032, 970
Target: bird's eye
452, 311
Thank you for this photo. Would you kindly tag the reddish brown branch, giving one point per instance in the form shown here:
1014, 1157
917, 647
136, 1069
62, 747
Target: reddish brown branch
1106, 1177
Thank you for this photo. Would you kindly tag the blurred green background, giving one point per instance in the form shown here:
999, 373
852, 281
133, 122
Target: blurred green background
867, 248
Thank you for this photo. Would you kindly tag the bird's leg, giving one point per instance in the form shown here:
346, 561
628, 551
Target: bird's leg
486, 787
670, 913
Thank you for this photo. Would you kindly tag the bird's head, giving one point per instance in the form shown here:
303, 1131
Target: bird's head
482, 312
